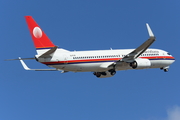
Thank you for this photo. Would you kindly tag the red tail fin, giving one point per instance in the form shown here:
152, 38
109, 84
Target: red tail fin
40, 39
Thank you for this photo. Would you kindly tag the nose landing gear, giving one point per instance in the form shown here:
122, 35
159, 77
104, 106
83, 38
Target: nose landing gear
166, 69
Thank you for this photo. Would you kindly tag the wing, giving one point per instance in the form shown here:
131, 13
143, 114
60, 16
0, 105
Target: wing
141, 49
135, 53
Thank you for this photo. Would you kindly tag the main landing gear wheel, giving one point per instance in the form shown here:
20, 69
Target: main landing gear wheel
112, 71
166, 70
97, 74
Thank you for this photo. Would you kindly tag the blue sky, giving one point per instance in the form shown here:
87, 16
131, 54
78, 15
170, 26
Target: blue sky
89, 25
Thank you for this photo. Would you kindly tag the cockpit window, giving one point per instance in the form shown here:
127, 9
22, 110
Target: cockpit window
168, 53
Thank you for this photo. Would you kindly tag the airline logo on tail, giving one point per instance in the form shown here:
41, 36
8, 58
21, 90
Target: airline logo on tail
37, 32
40, 39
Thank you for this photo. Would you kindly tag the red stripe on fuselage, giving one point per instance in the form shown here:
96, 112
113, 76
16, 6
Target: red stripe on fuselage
105, 60
84, 60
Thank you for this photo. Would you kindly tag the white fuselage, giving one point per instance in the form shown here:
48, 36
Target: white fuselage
84, 61
103, 63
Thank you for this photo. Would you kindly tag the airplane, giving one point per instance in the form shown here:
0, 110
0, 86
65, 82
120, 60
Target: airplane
103, 63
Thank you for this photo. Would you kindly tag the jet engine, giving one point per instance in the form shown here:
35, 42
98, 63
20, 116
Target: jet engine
140, 64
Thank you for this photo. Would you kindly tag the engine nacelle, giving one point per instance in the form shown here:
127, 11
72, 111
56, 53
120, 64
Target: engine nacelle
140, 64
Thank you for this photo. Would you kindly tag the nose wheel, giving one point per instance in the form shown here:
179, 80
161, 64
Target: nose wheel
165, 69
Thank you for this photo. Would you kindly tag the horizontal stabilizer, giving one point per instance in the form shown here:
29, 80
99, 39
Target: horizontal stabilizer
27, 68
21, 59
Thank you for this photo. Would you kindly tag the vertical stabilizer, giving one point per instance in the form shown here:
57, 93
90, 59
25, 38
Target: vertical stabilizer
40, 39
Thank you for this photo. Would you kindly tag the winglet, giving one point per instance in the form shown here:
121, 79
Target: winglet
149, 30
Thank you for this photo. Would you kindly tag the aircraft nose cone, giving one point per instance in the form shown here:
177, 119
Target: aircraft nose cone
173, 59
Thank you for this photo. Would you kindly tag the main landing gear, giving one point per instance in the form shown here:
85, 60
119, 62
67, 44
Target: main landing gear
103, 74
165, 69
112, 71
